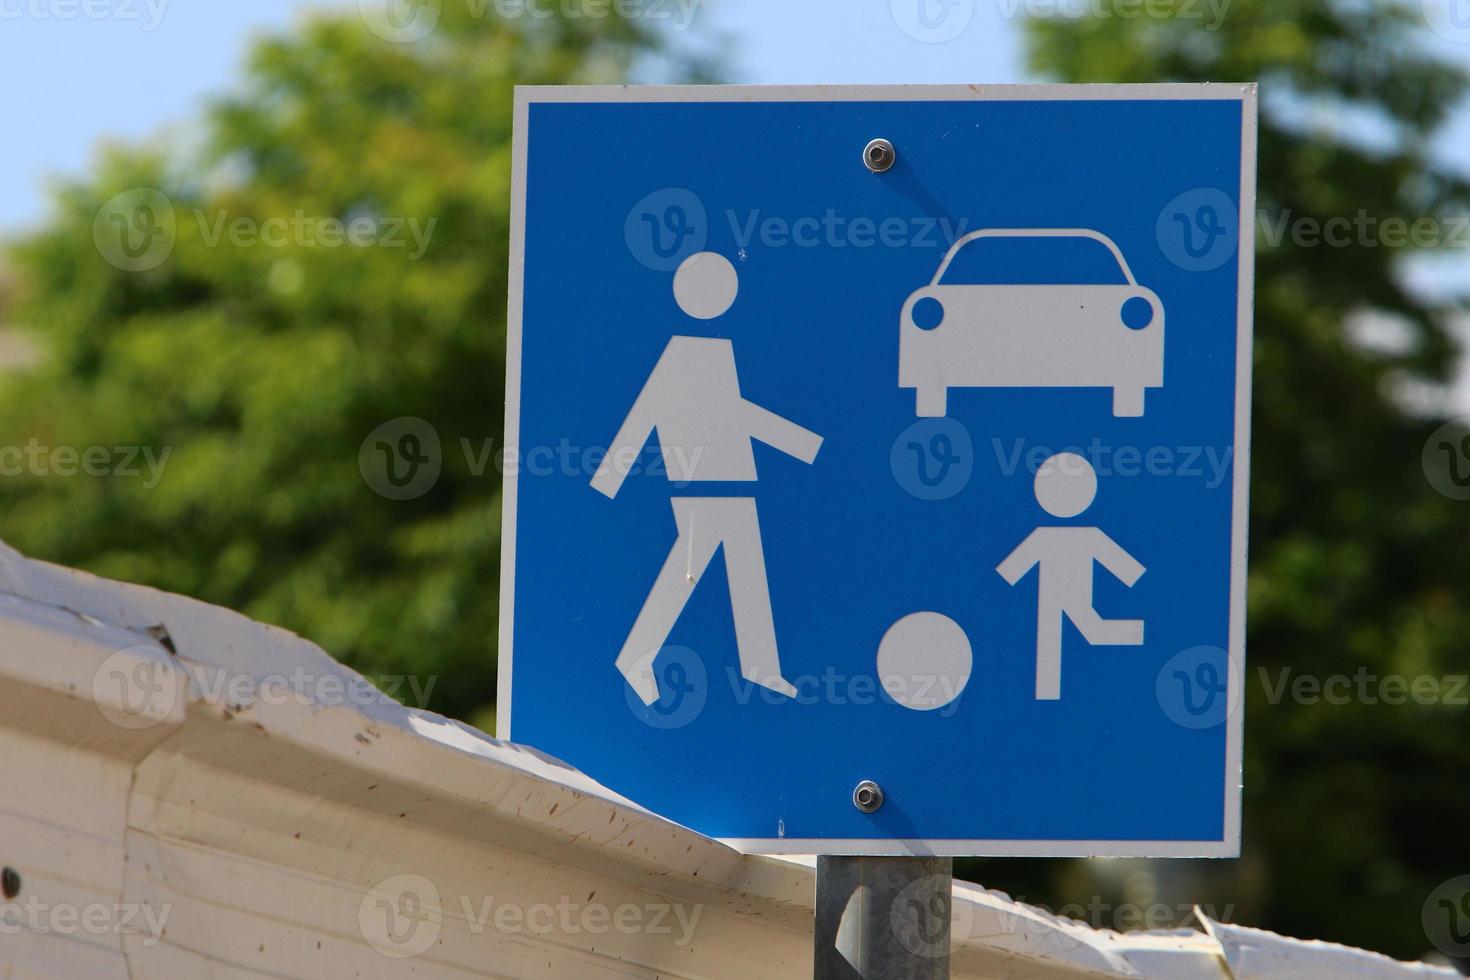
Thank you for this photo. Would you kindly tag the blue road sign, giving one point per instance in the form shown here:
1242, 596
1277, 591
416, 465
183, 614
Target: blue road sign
928, 467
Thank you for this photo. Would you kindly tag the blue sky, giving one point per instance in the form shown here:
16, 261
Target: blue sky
134, 68
148, 66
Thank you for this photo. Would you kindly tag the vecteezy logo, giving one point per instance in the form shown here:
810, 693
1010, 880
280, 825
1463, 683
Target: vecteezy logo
1456, 457
400, 21
401, 459
665, 228
136, 688
683, 690
135, 230
1450, 19
1446, 459
1446, 917
401, 916
933, 459
1199, 230
1194, 688
1457, 917
932, 21
920, 913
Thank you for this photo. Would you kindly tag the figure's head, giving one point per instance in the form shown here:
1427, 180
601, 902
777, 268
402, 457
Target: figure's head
705, 285
1065, 485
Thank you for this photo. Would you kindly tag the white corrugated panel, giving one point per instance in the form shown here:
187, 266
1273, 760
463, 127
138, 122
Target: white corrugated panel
1253, 954
197, 795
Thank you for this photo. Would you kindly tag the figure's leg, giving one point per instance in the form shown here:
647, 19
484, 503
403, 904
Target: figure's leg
1048, 653
750, 597
1107, 632
696, 544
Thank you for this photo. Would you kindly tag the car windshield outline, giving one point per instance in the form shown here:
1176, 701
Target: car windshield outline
1072, 234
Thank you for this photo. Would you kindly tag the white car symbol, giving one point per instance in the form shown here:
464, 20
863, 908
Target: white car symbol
995, 317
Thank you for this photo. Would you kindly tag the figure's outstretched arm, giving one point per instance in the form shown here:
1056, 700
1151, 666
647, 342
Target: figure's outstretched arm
783, 434
631, 437
1020, 561
1112, 557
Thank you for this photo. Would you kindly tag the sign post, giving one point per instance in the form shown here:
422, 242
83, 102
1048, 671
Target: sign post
882, 918
877, 471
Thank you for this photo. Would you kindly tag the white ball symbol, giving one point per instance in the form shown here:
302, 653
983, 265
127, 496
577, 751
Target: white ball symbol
924, 661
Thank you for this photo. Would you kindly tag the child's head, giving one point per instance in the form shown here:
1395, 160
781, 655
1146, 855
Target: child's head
1065, 485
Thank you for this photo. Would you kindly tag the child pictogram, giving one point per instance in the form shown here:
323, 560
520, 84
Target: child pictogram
1065, 486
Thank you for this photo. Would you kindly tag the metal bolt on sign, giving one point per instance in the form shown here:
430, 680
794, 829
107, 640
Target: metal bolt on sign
879, 155
868, 796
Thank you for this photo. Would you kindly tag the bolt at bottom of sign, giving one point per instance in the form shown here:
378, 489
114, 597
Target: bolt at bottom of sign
868, 796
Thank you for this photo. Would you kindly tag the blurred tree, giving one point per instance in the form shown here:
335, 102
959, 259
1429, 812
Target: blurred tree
259, 355
1353, 812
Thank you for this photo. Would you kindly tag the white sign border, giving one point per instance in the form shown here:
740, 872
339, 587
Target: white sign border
1245, 94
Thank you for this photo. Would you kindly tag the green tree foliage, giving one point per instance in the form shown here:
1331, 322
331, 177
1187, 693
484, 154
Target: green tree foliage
261, 365
1353, 812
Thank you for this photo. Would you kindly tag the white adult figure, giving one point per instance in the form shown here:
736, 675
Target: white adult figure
1065, 486
705, 429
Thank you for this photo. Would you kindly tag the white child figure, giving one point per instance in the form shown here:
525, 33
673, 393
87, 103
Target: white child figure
704, 427
1065, 487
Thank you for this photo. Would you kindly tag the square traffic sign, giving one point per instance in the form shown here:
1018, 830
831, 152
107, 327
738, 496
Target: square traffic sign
885, 437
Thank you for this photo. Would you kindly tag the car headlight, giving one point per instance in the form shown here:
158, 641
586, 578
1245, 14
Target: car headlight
927, 313
1137, 313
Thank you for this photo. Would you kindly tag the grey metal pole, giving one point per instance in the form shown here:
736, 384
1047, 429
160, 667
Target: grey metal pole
883, 918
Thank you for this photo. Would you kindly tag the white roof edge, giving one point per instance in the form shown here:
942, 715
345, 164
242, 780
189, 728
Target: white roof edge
58, 626
1252, 953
